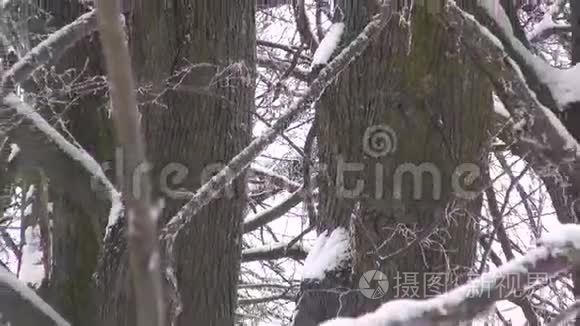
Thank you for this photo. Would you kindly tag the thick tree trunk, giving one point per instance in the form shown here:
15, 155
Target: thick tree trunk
416, 80
205, 51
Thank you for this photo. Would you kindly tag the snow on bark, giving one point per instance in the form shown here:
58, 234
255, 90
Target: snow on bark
11, 286
328, 44
14, 150
558, 252
329, 253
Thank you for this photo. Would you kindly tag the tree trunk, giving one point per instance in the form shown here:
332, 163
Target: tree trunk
416, 80
204, 50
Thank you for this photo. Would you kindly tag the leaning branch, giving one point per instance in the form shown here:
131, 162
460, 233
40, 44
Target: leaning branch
144, 255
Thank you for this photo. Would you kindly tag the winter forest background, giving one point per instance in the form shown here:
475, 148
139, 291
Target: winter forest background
289, 162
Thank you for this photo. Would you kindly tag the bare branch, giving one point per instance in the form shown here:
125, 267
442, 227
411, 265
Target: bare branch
273, 213
303, 26
274, 251
144, 255
282, 67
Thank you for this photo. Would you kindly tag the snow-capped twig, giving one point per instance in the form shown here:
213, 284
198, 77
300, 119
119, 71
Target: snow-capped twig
143, 242
18, 299
553, 256
49, 50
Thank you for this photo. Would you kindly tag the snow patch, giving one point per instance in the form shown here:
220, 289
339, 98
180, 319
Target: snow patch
328, 253
562, 235
32, 270
14, 150
328, 45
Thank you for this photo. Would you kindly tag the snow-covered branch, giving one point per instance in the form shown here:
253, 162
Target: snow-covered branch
557, 253
143, 242
544, 141
49, 50
555, 88
75, 152
20, 305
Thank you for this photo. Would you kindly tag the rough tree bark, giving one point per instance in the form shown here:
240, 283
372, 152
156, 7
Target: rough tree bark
416, 80
197, 58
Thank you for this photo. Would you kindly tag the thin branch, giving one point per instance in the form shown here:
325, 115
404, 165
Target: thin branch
273, 213
303, 26
144, 255
274, 251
